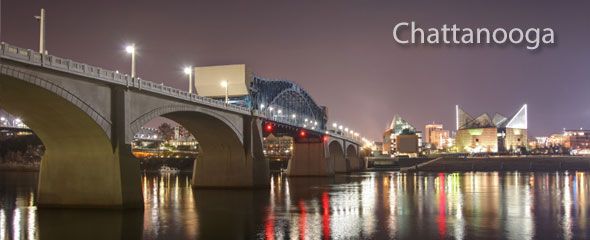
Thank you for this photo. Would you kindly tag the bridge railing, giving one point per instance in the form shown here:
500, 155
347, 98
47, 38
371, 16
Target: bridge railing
32, 57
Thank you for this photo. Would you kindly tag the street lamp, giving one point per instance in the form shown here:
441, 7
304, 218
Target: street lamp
225, 85
131, 50
189, 71
42, 21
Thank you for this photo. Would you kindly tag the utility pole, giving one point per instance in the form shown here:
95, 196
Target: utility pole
0, 21
41, 19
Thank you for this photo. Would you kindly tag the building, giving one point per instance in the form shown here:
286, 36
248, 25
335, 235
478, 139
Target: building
411, 141
576, 139
10, 121
278, 148
436, 136
491, 135
407, 144
538, 142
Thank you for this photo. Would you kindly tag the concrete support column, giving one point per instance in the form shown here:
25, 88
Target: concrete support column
254, 146
309, 159
82, 168
227, 162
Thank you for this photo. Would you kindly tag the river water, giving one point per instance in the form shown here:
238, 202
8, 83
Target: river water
381, 205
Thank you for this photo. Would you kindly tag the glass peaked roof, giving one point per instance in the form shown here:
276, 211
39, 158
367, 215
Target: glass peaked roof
399, 124
518, 120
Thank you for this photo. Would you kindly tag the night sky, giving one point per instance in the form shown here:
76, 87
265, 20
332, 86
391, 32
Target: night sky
341, 52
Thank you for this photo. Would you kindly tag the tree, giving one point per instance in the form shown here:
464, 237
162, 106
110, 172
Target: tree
166, 131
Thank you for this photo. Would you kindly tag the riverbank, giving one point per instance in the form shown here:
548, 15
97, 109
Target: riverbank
506, 163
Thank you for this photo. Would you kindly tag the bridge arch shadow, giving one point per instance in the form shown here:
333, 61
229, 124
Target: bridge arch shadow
353, 158
337, 157
81, 166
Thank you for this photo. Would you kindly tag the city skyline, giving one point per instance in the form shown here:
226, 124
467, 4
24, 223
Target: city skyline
340, 60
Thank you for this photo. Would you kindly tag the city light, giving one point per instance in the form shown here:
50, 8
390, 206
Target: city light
261, 106
334, 125
268, 127
293, 116
302, 133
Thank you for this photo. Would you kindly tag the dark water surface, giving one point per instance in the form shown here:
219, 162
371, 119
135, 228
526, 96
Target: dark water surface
358, 206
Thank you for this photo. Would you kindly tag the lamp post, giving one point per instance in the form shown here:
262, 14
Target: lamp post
225, 85
41, 19
131, 50
189, 71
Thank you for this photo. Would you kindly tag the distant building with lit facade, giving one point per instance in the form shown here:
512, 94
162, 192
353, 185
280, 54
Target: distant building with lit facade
436, 136
570, 141
576, 139
401, 138
491, 134
278, 148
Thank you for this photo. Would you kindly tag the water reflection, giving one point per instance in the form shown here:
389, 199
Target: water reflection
370, 205
442, 205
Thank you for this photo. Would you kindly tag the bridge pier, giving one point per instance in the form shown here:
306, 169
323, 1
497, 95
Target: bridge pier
227, 162
81, 166
310, 159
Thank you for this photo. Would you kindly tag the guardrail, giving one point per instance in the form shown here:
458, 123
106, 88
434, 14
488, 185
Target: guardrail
32, 57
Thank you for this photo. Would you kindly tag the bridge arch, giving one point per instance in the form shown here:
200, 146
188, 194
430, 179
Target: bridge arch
337, 157
295, 102
79, 152
172, 109
290, 97
11, 74
223, 156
